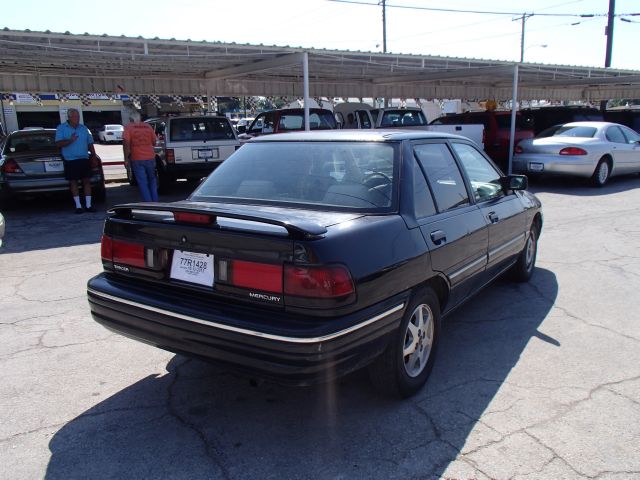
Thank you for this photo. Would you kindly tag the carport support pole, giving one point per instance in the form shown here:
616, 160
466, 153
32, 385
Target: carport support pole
514, 102
305, 89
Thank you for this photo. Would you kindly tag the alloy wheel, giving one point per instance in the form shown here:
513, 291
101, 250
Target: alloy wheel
418, 340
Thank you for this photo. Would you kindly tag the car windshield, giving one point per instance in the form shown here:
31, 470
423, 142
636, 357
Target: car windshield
568, 131
402, 118
198, 128
31, 143
317, 121
114, 127
328, 175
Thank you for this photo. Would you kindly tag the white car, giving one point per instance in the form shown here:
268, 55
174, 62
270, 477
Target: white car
110, 133
595, 150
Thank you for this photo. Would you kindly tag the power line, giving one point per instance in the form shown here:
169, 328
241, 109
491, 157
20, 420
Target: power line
451, 10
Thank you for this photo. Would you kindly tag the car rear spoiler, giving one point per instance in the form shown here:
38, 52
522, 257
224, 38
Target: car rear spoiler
296, 227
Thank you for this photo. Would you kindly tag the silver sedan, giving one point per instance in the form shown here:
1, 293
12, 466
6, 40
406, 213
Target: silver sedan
595, 150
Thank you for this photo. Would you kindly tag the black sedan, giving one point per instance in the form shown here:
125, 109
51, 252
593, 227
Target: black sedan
31, 164
306, 256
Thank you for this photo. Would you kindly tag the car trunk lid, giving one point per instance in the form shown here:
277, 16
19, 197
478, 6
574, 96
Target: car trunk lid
229, 251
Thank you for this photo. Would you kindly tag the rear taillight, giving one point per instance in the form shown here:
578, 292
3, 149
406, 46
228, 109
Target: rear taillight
197, 218
126, 253
573, 151
11, 166
519, 149
256, 276
317, 281
170, 155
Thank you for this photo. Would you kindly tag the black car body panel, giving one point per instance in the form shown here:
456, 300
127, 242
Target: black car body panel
269, 328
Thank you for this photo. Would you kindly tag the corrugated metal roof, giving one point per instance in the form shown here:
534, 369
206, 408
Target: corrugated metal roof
65, 62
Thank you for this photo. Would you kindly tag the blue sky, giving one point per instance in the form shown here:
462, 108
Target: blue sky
325, 24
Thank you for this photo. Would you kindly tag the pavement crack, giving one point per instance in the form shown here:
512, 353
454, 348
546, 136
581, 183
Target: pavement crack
214, 454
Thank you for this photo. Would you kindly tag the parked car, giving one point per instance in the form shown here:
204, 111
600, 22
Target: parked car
398, 117
497, 130
30, 164
243, 123
629, 117
309, 255
190, 147
289, 120
110, 133
595, 150
541, 118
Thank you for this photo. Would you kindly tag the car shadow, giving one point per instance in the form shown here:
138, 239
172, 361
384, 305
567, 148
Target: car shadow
582, 187
44, 222
200, 421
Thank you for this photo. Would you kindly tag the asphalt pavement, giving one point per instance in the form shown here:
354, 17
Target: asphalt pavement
533, 381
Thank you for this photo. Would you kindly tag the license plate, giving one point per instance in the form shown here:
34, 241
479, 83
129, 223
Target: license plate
192, 267
206, 154
536, 167
53, 166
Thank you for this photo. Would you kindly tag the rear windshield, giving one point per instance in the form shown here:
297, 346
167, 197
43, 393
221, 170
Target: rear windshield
328, 175
114, 127
402, 118
317, 121
566, 131
31, 143
198, 128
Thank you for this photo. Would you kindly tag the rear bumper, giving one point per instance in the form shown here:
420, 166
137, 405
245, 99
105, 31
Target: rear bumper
30, 186
265, 343
534, 164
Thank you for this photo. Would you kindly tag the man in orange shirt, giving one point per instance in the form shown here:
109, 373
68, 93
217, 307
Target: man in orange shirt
138, 141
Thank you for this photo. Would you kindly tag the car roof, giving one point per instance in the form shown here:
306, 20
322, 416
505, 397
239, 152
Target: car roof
589, 124
26, 133
377, 135
182, 117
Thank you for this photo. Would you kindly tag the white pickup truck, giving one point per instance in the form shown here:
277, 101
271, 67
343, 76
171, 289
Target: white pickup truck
363, 116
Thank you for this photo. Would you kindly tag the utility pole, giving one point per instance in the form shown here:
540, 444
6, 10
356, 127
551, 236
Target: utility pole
609, 33
384, 26
522, 29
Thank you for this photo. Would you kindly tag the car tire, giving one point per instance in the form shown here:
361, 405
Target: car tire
526, 263
602, 173
403, 368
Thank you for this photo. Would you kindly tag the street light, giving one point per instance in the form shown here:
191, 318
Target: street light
541, 45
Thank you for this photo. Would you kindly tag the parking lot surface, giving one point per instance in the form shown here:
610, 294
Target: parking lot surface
533, 381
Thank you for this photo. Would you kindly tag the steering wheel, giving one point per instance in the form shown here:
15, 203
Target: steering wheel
370, 179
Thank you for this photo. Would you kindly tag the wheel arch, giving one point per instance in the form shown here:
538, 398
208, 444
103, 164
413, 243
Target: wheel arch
441, 288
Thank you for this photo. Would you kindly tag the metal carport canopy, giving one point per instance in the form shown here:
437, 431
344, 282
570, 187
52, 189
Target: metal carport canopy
64, 62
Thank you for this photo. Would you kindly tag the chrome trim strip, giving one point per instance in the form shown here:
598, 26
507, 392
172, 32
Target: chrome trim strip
495, 251
469, 266
254, 333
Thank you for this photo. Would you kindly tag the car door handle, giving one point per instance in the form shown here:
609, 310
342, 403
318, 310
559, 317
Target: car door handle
493, 217
438, 237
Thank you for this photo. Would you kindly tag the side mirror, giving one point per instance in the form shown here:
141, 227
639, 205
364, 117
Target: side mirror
514, 182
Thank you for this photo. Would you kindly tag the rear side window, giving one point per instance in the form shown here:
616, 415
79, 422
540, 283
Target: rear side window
198, 129
615, 135
422, 200
443, 175
31, 143
364, 119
